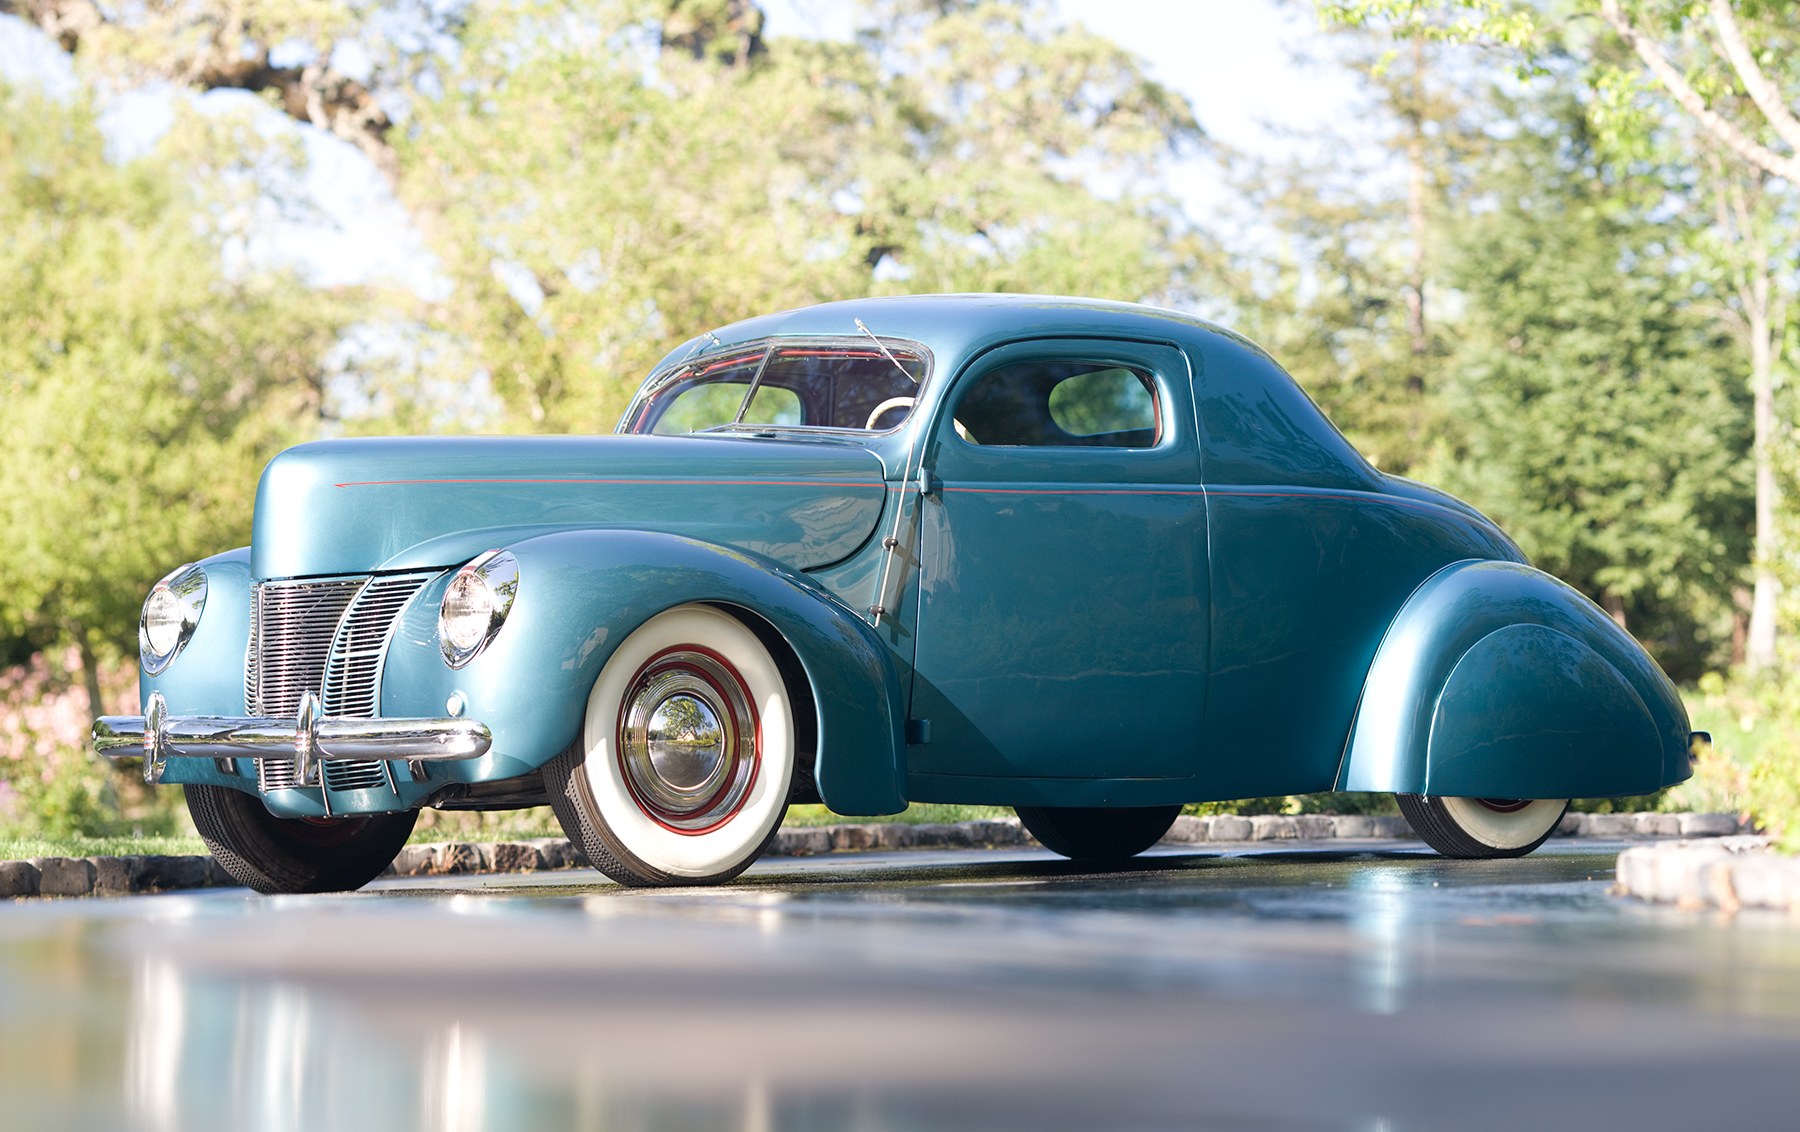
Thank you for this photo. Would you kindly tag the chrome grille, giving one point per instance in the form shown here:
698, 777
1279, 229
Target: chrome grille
275, 776
327, 637
346, 775
293, 627
353, 672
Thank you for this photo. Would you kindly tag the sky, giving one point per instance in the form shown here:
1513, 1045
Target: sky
1233, 59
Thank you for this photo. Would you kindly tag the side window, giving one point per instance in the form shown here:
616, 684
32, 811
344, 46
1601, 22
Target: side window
1058, 404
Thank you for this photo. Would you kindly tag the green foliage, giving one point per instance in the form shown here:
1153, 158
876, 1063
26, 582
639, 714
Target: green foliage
1326, 803
1272, 804
1750, 767
596, 199
72, 804
1337, 274
1447, 21
919, 813
1603, 423
51, 785
466, 825
144, 385
1774, 792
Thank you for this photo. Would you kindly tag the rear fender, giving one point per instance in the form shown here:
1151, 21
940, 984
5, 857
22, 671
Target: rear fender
581, 593
1498, 680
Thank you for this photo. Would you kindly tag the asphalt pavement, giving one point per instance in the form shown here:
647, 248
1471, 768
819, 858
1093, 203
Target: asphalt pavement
1372, 986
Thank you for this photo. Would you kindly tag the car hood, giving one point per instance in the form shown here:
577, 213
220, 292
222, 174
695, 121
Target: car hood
358, 506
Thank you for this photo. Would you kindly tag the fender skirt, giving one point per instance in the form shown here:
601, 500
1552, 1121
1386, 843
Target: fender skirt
1496, 680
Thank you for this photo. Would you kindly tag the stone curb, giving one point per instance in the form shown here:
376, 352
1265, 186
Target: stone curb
1727, 873
116, 876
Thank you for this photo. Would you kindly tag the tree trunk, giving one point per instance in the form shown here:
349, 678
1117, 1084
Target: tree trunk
1759, 648
1615, 608
1415, 222
1740, 625
90, 673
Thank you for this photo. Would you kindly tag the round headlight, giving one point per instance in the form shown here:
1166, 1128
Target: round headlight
162, 621
475, 605
467, 609
170, 614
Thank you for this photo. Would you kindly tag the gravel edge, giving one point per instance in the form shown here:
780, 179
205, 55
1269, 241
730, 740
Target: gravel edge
1728, 874
120, 876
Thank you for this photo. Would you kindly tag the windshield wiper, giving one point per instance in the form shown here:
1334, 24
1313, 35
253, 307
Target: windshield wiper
885, 352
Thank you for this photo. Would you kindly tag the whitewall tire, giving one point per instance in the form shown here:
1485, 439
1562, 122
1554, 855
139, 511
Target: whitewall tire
686, 756
1482, 827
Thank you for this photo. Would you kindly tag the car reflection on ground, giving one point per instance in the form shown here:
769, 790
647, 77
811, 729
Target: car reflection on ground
1258, 987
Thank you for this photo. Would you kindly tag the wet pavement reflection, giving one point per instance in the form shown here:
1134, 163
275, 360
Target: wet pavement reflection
1376, 988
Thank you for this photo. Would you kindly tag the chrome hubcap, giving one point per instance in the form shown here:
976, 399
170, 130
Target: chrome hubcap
688, 739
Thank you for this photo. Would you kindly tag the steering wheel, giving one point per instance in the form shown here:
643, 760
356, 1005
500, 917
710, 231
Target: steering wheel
890, 403
907, 403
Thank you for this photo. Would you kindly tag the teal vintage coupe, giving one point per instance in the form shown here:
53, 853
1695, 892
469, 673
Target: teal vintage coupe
1085, 559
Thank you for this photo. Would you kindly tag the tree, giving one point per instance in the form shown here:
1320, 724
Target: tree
226, 44
1344, 294
602, 176
599, 198
1731, 70
1601, 424
144, 385
1014, 154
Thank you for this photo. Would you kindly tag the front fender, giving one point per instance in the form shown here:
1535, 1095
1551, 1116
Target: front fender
208, 677
583, 592
1497, 680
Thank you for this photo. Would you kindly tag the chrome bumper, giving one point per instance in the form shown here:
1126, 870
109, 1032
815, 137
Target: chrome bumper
156, 737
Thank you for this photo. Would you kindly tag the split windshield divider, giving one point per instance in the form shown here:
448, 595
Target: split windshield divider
755, 381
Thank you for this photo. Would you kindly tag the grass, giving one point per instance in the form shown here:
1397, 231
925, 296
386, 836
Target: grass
439, 826
24, 848
919, 813
435, 826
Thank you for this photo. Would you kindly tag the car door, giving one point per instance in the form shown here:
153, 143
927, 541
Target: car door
1064, 604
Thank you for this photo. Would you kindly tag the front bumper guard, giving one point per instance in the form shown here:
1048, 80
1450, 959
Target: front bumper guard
305, 741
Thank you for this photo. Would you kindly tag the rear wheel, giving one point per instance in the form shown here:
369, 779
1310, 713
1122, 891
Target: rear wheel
287, 855
1476, 828
682, 771
1097, 833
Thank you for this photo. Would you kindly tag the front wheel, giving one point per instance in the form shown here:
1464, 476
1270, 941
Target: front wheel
1480, 828
289, 855
1097, 833
682, 770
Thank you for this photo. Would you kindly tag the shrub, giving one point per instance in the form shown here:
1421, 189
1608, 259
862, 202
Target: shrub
51, 783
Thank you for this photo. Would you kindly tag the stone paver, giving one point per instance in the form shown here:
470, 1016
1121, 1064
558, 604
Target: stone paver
18, 878
65, 876
1757, 886
1729, 873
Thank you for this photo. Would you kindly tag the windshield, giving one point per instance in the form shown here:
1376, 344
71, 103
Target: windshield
862, 386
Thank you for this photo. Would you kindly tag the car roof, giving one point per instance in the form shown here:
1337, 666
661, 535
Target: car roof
956, 326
